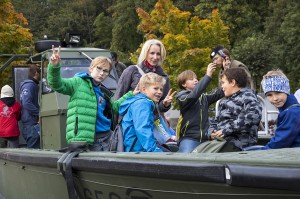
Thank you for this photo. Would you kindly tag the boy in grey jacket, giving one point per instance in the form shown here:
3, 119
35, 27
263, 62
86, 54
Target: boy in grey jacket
239, 112
194, 104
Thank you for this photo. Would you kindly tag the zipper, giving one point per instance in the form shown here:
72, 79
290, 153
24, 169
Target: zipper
201, 133
76, 126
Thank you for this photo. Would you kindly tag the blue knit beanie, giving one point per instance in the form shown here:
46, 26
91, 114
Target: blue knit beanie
276, 83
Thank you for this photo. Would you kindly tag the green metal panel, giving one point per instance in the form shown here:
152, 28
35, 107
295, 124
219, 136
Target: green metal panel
19, 181
53, 117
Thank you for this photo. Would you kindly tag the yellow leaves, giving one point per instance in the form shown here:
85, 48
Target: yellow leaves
146, 23
13, 36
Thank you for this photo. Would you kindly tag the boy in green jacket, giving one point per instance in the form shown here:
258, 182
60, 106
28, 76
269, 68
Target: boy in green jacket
90, 107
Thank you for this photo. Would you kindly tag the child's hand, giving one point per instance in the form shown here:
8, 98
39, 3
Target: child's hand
219, 133
215, 134
55, 57
226, 63
168, 99
210, 69
136, 90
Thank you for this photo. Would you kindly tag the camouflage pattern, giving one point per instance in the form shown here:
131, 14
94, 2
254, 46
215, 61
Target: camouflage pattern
238, 118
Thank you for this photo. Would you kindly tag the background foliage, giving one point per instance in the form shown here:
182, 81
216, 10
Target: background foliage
262, 34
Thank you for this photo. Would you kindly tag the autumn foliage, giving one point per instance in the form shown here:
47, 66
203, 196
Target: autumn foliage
13, 36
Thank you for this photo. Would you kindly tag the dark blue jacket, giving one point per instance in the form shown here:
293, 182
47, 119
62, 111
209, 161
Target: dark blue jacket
29, 90
287, 134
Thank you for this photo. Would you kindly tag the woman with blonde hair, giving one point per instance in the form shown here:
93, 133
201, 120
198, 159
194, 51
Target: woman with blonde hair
152, 55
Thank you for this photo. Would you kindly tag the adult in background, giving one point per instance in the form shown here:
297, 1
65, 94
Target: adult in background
152, 55
10, 114
29, 90
221, 57
120, 67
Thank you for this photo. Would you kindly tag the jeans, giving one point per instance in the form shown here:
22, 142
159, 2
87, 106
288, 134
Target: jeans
101, 142
31, 134
187, 145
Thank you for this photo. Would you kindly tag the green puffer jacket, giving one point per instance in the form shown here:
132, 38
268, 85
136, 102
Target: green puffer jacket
82, 106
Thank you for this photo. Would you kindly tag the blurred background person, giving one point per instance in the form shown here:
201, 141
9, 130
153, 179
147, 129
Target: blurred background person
10, 114
120, 67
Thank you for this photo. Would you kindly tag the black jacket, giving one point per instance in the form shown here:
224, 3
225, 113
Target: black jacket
194, 110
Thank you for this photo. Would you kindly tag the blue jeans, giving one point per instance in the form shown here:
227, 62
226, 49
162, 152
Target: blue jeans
187, 145
31, 134
101, 142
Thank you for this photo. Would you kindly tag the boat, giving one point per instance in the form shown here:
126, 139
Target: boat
53, 173
270, 174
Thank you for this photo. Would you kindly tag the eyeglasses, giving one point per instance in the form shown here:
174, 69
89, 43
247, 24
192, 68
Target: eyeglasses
104, 71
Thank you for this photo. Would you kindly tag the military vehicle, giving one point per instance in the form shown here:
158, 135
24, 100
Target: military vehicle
48, 173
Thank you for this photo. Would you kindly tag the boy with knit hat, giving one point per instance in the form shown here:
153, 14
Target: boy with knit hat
277, 90
10, 114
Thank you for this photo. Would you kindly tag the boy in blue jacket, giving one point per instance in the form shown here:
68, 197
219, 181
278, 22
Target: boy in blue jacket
277, 90
138, 114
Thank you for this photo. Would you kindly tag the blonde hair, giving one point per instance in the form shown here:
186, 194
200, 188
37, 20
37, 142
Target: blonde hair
150, 79
98, 61
184, 76
146, 48
274, 72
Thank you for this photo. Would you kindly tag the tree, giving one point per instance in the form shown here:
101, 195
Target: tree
256, 53
36, 13
287, 40
14, 38
125, 36
102, 31
243, 17
188, 40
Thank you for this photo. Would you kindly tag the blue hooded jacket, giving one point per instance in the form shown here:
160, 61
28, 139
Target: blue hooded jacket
287, 134
29, 91
138, 122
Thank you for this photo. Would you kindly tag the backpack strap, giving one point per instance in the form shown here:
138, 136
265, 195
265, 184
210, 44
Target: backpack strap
140, 70
134, 141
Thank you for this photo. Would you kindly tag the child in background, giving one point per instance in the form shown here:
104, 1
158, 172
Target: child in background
138, 115
277, 90
239, 113
194, 104
10, 114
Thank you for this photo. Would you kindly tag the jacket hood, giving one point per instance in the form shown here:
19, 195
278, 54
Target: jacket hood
128, 102
83, 75
27, 81
181, 93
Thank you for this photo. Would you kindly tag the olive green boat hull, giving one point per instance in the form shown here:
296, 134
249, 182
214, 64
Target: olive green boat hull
255, 174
